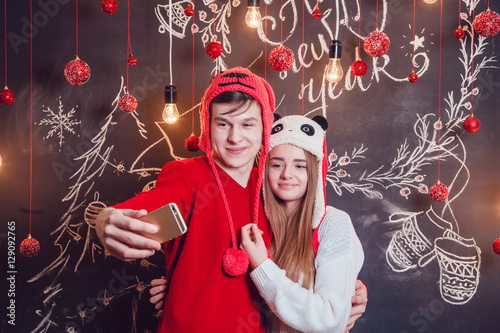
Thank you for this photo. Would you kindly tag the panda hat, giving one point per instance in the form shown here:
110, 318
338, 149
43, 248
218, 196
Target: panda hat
308, 134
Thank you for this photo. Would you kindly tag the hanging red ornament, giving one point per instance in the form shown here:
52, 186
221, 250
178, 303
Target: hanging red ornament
281, 58
377, 43
7, 97
131, 60
77, 72
317, 13
127, 103
192, 143
472, 124
189, 11
496, 246
214, 49
359, 67
439, 192
413, 77
459, 33
487, 24
109, 6
235, 262
29, 247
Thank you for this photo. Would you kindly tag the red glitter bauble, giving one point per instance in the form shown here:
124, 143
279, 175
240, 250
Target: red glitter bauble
413, 77
131, 60
192, 143
235, 262
359, 68
29, 247
472, 124
281, 58
109, 6
316, 13
487, 24
7, 97
459, 33
439, 192
214, 49
127, 103
189, 11
77, 72
496, 246
377, 43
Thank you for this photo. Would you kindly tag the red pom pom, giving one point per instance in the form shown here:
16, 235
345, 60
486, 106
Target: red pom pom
281, 58
377, 43
359, 68
127, 103
29, 247
496, 246
235, 262
487, 24
316, 14
214, 49
459, 33
7, 97
413, 77
189, 11
438, 192
109, 6
472, 124
131, 60
192, 143
77, 72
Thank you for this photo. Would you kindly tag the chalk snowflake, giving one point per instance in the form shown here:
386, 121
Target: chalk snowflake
59, 122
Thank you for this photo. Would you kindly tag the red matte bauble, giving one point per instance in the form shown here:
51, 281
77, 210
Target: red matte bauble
77, 72
472, 124
413, 77
127, 103
316, 14
29, 247
487, 24
281, 58
7, 97
459, 33
359, 68
377, 44
192, 143
496, 246
214, 49
109, 6
189, 11
131, 60
235, 262
439, 192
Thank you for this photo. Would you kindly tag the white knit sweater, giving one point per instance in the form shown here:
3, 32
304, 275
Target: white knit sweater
327, 305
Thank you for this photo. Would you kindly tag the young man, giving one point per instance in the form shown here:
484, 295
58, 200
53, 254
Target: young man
208, 287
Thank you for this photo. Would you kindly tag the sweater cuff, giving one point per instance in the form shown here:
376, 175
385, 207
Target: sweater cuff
264, 273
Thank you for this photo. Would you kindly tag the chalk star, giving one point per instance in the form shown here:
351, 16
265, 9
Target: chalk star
418, 42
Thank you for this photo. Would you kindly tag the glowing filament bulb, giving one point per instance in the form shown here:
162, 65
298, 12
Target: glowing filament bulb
430, 1
253, 18
170, 113
334, 71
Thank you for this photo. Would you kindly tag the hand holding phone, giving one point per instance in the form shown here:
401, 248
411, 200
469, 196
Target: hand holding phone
169, 221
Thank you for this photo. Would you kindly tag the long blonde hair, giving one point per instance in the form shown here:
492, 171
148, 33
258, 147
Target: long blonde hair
292, 243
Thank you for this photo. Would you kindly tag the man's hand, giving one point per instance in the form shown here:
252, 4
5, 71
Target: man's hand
358, 301
118, 231
158, 293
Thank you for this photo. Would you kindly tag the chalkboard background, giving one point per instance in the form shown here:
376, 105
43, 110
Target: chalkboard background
382, 141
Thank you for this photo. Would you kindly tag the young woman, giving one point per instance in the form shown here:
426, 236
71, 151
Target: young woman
316, 255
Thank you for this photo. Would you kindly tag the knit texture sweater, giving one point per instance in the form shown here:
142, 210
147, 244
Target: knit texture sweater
327, 305
201, 297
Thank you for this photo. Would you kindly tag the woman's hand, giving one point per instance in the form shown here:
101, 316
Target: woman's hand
158, 293
358, 301
253, 244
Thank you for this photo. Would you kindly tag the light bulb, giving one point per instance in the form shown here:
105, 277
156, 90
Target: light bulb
252, 18
334, 71
170, 113
430, 1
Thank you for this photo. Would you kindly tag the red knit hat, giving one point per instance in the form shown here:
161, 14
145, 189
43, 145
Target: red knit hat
241, 79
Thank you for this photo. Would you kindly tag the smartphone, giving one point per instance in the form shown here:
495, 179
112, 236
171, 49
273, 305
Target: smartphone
169, 221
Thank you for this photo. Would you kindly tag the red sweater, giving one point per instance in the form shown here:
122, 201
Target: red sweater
201, 297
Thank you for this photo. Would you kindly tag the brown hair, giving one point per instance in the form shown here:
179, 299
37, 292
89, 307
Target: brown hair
231, 97
292, 243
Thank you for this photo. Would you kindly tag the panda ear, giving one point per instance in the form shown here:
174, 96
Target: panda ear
321, 122
276, 117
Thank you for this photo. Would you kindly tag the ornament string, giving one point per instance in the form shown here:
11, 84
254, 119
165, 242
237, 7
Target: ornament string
359, 26
472, 55
5, 32
170, 35
281, 22
265, 44
129, 44
31, 113
376, 17
439, 94
413, 56
302, 55
76, 28
459, 11
192, 88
